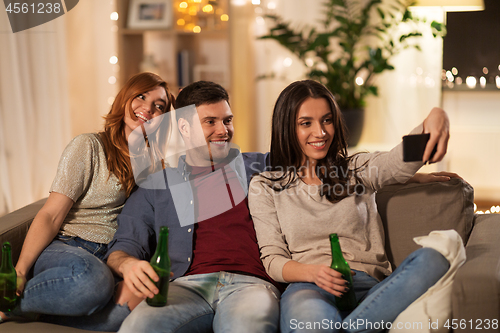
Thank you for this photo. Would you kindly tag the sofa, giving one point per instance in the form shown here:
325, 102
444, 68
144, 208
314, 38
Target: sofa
407, 211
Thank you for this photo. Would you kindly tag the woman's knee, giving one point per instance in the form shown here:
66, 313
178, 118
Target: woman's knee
306, 309
434, 260
91, 285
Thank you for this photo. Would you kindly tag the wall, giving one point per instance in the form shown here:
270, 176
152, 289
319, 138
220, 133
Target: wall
474, 150
91, 41
406, 96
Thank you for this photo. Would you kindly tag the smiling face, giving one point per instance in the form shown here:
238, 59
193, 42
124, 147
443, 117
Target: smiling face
315, 130
208, 134
145, 107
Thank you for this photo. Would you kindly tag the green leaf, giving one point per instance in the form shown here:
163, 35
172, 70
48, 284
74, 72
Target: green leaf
381, 13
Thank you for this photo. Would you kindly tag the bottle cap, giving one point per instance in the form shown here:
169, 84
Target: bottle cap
334, 237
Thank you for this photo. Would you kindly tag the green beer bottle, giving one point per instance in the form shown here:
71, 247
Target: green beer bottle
8, 280
161, 264
348, 299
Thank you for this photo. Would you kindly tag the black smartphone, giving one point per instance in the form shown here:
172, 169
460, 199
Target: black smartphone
414, 147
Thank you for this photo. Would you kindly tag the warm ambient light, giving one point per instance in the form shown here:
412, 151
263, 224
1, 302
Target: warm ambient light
453, 5
114, 16
183, 5
197, 29
224, 17
482, 82
208, 9
113, 60
287, 62
471, 82
181, 22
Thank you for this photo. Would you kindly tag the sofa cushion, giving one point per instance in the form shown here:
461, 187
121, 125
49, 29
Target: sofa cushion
415, 209
14, 226
477, 283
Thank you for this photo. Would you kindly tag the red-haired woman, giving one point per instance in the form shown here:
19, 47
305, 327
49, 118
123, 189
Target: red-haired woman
68, 237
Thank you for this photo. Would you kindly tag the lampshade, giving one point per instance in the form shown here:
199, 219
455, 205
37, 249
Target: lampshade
453, 5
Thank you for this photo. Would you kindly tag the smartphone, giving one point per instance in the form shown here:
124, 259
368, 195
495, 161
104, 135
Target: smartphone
414, 147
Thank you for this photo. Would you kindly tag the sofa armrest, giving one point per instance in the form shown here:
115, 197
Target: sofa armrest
410, 210
476, 289
14, 226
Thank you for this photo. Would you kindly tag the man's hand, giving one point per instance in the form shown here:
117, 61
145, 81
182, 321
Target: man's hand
137, 274
438, 125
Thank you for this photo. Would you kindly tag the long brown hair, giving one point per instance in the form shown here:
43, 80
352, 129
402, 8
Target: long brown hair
113, 137
286, 154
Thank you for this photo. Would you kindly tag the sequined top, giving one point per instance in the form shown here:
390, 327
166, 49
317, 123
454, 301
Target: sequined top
83, 176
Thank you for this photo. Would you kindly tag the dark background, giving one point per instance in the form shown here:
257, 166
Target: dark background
473, 41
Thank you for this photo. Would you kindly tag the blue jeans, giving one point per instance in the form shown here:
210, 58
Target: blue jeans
307, 308
218, 302
69, 280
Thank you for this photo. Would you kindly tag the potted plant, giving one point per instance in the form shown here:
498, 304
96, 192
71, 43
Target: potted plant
357, 41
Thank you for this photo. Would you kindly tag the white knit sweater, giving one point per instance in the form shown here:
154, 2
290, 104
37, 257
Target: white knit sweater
294, 224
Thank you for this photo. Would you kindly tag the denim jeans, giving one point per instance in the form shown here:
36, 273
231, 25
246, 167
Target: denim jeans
218, 302
307, 308
69, 280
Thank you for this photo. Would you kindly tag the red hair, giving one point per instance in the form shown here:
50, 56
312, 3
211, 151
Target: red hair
115, 142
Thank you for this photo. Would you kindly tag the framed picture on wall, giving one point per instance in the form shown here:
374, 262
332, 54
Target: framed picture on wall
150, 14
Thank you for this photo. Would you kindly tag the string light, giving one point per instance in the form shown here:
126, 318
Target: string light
287, 62
196, 15
471, 82
208, 8
492, 210
482, 82
113, 60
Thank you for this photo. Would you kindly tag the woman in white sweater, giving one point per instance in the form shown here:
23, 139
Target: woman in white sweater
313, 189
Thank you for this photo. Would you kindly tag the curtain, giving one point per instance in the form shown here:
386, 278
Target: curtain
34, 111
